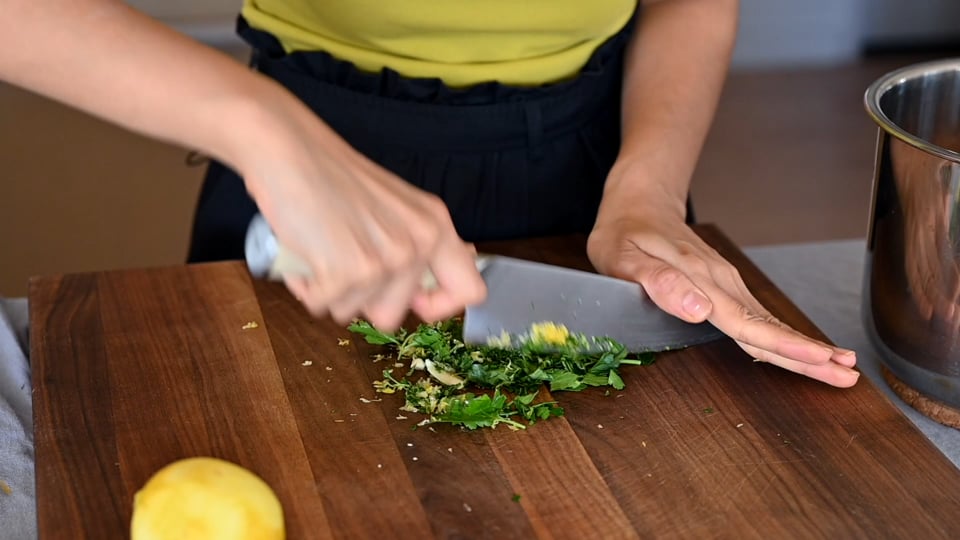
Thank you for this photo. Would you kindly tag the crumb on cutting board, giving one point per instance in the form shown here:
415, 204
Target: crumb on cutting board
307, 363
250, 325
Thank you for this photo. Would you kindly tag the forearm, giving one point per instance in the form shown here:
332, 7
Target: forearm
674, 71
111, 61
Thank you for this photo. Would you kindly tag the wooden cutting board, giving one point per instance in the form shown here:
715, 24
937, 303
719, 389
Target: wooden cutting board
135, 369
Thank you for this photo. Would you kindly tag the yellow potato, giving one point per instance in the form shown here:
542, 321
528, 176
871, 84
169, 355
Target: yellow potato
206, 498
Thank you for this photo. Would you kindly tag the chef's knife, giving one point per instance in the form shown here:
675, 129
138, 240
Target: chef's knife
521, 293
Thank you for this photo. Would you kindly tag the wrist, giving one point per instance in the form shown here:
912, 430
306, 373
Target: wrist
255, 120
270, 131
633, 187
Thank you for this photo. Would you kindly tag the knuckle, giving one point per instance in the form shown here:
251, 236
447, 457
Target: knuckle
367, 271
630, 268
732, 275
694, 264
746, 318
398, 256
769, 319
664, 279
424, 236
435, 207
754, 317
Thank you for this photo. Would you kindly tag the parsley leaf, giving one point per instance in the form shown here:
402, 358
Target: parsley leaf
504, 382
473, 411
614, 380
371, 334
565, 380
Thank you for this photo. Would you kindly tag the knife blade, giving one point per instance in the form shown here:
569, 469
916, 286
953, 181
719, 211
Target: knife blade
521, 293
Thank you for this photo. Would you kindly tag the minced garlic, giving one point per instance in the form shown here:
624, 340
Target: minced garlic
548, 333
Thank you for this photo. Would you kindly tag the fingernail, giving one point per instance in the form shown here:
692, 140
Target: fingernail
845, 357
696, 305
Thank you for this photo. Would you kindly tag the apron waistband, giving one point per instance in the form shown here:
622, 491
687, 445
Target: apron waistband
425, 114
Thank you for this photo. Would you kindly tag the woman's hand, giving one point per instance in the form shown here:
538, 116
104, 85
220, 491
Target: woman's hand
640, 233
367, 235
648, 241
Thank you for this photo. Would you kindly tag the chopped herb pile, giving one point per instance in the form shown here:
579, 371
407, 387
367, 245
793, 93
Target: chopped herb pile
507, 380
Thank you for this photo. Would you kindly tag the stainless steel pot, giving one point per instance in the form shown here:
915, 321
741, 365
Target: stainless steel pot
911, 306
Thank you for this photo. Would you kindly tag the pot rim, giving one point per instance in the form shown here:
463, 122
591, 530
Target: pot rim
896, 77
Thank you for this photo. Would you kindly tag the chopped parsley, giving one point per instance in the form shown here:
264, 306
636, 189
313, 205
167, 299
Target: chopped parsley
504, 380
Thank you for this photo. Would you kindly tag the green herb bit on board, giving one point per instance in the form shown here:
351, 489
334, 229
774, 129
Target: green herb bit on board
506, 375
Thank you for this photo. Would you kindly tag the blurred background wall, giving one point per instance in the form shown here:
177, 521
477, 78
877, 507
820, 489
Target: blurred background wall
78, 194
773, 33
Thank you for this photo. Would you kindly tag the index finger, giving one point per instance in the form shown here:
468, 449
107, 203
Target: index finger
458, 282
761, 330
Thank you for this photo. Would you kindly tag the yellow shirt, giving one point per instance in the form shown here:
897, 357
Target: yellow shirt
462, 42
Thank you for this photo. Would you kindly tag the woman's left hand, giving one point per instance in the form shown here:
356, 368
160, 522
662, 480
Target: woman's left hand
648, 242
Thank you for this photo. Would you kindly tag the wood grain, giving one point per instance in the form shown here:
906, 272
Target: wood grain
73, 404
135, 369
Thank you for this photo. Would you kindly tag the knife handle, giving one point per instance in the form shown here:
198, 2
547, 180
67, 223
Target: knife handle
267, 258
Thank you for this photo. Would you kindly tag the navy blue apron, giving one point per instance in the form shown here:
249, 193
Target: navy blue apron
510, 162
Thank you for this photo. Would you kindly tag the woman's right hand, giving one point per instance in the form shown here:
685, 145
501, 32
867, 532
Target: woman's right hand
367, 235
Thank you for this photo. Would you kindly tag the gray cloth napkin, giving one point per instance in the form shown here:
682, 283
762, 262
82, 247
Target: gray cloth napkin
18, 518
824, 280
